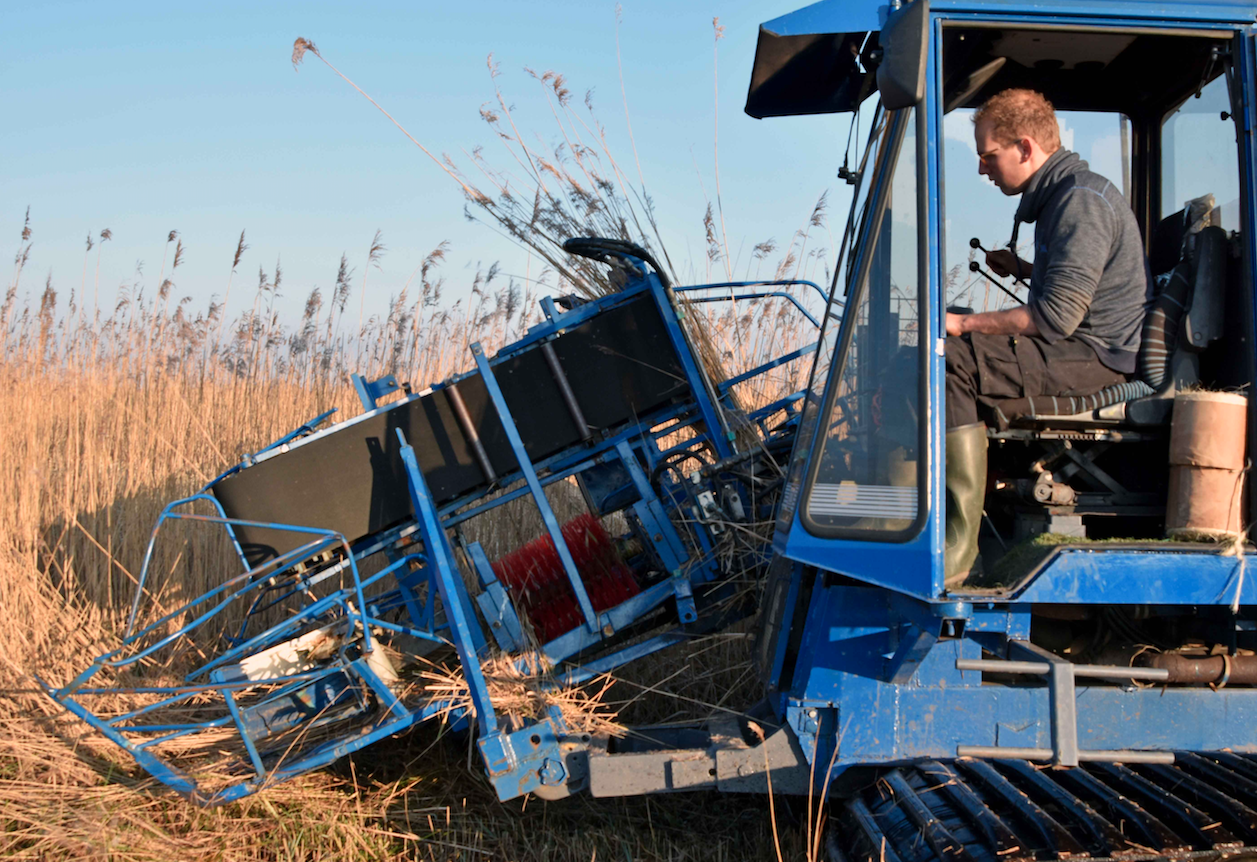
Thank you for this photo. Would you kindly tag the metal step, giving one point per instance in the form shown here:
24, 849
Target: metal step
1204, 806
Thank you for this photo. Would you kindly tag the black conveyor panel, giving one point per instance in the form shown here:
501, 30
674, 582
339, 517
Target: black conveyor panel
620, 364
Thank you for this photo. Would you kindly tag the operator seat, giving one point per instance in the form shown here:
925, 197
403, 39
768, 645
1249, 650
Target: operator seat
1068, 436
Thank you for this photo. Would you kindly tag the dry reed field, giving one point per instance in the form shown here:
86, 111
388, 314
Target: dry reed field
109, 412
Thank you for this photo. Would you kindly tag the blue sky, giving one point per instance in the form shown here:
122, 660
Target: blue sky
143, 118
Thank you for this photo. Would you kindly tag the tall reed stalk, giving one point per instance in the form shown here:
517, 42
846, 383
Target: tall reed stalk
106, 417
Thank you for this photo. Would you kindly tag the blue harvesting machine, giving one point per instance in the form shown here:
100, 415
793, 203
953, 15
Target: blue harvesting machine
1093, 693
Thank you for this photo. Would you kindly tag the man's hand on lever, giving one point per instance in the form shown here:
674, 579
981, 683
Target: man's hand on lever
1004, 263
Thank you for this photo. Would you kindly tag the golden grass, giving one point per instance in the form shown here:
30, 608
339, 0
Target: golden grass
107, 414
103, 420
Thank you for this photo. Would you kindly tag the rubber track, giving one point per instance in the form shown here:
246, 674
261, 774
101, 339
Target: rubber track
1203, 807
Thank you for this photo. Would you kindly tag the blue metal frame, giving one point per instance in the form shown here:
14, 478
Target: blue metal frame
421, 581
534, 487
779, 294
892, 562
869, 662
839, 16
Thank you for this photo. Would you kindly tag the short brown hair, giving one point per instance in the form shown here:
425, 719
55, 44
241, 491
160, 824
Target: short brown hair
1015, 114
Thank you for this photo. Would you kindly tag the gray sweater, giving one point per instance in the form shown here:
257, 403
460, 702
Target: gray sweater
1090, 276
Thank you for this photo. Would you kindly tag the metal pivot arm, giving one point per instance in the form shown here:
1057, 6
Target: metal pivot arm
538, 493
565, 389
495, 603
469, 431
441, 557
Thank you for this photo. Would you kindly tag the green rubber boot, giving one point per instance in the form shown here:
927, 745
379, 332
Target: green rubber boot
966, 488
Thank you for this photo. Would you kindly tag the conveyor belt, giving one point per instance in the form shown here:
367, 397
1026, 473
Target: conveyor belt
1202, 807
619, 364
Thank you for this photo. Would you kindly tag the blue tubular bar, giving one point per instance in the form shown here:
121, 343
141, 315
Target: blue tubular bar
153, 765
769, 409
152, 539
328, 537
629, 611
408, 630
767, 366
184, 692
538, 493
175, 731
708, 409
254, 757
441, 559
785, 282
766, 294
585, 672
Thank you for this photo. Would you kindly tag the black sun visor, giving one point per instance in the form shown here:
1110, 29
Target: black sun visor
809, 61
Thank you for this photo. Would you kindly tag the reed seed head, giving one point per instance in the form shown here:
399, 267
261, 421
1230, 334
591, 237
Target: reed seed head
377, 249
241, 248
299, 49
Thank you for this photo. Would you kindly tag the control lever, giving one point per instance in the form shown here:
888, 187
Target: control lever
975, 267
977, 244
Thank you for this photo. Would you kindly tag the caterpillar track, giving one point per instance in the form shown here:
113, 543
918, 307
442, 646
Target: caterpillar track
1203, 806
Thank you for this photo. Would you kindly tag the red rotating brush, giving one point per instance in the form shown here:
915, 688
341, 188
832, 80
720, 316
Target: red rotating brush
534, 575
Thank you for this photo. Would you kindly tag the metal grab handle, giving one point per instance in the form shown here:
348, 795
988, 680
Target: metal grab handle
1061, 675
997, 752
1090, 671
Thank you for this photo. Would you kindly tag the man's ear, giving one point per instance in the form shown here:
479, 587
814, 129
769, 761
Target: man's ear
1025, 146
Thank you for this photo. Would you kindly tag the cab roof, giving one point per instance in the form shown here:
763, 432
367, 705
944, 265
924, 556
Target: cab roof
817, 59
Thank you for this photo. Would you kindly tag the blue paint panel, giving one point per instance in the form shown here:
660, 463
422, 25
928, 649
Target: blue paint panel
905, 567
1160, 577
883, 723
1108, 718
844, 16
829, 16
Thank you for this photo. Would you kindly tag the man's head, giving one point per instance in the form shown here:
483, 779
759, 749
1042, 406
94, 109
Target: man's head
1015, 132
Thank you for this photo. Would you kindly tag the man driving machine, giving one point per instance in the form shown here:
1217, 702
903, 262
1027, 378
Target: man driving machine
1079, 330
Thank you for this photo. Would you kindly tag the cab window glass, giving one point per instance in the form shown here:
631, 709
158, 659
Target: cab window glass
866, 476
1199, 156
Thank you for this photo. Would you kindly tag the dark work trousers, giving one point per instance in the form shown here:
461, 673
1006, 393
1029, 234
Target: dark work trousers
985, 372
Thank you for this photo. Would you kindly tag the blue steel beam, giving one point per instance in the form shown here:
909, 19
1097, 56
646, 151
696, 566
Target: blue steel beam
763, 294
721, 437
441, 559
781, 282
534, 486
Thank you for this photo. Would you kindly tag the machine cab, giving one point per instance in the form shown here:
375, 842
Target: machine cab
1160, 106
